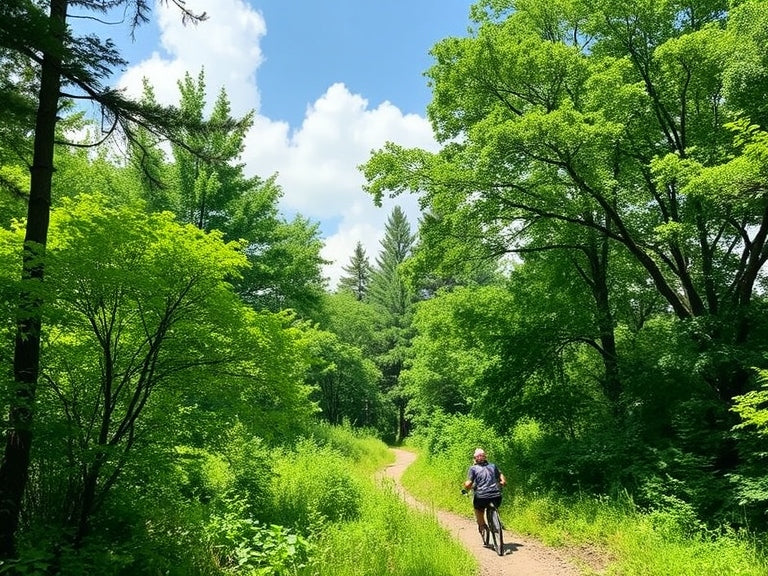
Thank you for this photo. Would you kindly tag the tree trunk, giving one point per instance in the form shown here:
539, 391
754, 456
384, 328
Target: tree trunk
403, 425
612, 385
14, 470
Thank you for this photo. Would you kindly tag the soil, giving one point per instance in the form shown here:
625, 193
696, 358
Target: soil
522, 555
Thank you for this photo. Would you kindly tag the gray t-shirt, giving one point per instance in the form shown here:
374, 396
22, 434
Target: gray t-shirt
485, 479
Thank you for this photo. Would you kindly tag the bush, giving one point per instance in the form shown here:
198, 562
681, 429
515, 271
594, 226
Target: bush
242, 545
313, 485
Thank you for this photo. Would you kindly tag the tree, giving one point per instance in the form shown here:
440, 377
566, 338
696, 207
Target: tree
345, 382
609, 122
62, 61
148, 161
214, 194
358, 273
286, 270
146, 347
142, 299
389, 293
456, 341
353, 321
210, 187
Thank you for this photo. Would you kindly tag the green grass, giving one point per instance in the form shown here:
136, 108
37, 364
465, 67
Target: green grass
390, 538
367, 452
630, 542
359, 526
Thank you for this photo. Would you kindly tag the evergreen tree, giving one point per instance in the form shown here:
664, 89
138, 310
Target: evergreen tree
212, 192
358, 272
394, 300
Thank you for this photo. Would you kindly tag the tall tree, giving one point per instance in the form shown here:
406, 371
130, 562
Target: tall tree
155, 308
358, 273
80, 64
210, 185
612, 121
148, 160
390, 294
215, 194
286, 269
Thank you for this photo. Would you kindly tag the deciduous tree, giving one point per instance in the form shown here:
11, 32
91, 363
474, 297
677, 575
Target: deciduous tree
66, 66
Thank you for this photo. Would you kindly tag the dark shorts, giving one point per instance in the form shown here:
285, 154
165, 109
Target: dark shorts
482, 503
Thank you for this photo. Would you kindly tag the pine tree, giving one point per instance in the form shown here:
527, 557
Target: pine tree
358, 272
392, 297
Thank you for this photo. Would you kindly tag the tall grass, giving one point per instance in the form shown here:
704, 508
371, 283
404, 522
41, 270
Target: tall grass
325, 487
630, 542
389, 538
357, 445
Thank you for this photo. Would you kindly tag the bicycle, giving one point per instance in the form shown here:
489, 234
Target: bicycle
494, 531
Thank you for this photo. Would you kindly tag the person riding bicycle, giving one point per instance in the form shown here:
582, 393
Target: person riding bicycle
486, 480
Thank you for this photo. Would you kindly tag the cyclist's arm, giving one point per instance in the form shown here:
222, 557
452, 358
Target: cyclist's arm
469, 483
502, 480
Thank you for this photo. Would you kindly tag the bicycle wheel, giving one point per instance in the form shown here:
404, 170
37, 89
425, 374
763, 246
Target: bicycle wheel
497, 533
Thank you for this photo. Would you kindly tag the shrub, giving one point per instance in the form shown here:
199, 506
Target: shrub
242, 545
312, 485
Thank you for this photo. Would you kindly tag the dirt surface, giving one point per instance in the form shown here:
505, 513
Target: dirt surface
522, 555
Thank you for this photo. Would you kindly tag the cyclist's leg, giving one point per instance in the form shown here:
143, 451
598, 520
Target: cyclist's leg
480, 518
479, 506
497, 502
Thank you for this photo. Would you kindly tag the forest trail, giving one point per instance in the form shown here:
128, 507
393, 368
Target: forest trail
523, 556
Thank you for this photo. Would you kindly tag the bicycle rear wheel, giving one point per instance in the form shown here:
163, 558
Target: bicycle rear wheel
497, 534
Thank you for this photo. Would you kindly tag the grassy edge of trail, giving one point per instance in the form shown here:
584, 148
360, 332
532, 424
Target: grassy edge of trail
605, 536
388, 537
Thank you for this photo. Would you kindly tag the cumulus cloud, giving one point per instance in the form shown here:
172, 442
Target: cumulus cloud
317, 165
227, 46
317, 161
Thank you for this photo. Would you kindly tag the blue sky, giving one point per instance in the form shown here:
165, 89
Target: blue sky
378, 48
329, 82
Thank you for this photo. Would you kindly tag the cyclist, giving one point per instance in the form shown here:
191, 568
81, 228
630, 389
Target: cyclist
486, 480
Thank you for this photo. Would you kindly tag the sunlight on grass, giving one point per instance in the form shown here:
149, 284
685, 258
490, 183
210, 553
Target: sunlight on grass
368, 452
630, 542
390, 538
437, 486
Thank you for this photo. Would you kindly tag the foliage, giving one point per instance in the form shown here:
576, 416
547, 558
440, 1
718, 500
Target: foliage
389, 538
358, 273
393, 300
750, 482
668, 539
361, 446
346, 384
313, 485
353, 321
211, 192
242, 545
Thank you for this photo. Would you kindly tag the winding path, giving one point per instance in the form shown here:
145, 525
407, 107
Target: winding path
523, 556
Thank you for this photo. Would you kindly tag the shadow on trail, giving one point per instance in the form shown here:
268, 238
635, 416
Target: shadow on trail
509, 547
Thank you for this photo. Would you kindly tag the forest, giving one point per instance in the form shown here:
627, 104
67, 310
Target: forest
585, 295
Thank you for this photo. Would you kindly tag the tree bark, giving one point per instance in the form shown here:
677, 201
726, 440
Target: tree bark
14, 469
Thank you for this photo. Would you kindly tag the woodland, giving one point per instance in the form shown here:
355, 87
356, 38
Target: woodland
584, 294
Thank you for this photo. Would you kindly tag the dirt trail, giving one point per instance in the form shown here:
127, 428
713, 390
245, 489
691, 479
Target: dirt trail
523, 556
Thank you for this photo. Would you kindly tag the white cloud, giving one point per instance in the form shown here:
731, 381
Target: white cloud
226, 46
317, 166
317, 161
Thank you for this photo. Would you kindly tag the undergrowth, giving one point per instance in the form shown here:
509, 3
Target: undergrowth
630, 542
